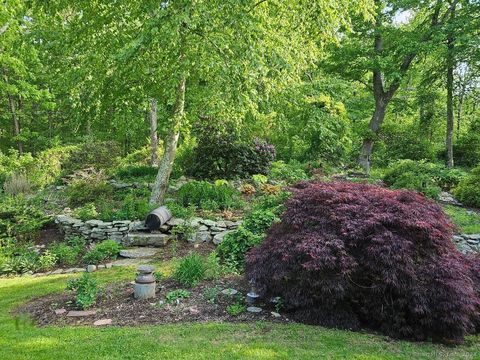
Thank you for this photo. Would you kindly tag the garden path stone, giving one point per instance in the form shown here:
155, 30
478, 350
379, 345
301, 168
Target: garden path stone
74, 313
60, 311
130, 262
254, 309
103, 322
138, 253
230, 292
146, 239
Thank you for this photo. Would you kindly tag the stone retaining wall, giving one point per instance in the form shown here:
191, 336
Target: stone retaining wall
134, 233
467, 243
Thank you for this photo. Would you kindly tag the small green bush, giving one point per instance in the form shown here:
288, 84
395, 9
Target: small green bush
21, 218
191, 270
16, 184
86, 290
424, 177
468, 190
96, 154
202, 193
46, 261
131, 208
210, 294
106, 250
86, 212
259, 221
194, 268
235, 245
84, 192
236, 309
175, 295
180, 211
65, 254
291, 172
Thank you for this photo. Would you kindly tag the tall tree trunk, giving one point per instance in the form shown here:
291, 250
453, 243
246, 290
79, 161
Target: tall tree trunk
166, 164
374, 126
15, 123
380, 104
381, 94
461, 97
450, 119
153, 132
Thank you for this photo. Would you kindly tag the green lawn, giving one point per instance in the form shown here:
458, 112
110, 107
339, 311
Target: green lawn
466, 221
21, 340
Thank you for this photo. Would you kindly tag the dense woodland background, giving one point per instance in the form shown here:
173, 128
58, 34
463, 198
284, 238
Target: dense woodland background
323, 81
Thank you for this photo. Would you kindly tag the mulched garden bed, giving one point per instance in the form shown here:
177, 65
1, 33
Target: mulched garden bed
116, 302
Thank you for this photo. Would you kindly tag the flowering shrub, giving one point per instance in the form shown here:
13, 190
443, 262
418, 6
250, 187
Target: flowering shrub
221, 153
351, 255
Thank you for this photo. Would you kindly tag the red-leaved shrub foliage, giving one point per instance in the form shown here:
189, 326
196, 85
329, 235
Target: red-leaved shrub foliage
352, 255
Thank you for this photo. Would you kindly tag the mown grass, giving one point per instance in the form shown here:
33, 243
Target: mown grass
19, 339
466, 221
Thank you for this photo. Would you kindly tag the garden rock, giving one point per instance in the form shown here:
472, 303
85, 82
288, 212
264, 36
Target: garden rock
103, 322
217, 239
81, 313
60, 311
275, 314
229, 292
91, 268
203, 236
254, 309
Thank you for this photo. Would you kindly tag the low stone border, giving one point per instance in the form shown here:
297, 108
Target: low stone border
134, 233
73, 270
95, 230
467, 243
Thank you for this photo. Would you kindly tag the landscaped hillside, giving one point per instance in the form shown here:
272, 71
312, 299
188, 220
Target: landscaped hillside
239, 179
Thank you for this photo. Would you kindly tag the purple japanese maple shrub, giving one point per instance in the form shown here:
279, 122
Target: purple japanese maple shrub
352, 255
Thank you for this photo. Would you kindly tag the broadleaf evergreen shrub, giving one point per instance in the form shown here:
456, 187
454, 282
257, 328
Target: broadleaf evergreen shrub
350, 255
222, 153
427, 178
468, 190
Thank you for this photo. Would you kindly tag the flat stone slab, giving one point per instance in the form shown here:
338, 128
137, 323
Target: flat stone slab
60, 311
146, 239
130, 262
103, 322
230, 292
254, 309
138, 253
81, 313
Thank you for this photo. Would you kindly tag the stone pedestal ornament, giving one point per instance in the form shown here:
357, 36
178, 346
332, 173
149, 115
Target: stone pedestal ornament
145, 283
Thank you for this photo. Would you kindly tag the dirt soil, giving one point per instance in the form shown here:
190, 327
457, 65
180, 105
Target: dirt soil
116, 302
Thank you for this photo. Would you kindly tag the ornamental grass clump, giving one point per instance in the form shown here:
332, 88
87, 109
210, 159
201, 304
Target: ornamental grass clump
352, 255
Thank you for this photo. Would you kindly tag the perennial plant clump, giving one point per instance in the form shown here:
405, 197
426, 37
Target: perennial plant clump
352, 255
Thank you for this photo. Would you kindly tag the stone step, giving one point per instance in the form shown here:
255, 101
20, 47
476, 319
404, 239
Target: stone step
146, 239
138, 253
